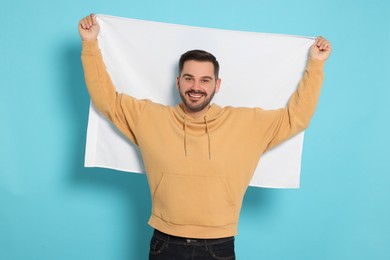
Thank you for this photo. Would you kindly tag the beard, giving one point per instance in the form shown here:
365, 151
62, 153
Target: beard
196, 106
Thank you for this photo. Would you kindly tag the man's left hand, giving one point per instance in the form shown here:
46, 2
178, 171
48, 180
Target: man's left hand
321, 49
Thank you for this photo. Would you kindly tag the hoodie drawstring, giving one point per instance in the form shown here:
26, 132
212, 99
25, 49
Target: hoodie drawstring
208, 136
185, 136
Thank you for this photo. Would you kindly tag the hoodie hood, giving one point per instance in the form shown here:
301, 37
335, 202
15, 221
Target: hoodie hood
200, 126
212, 114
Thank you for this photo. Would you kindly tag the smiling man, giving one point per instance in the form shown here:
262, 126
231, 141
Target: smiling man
198, 81
199, 157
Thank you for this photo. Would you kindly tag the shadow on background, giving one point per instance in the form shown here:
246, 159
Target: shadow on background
132, 188
259, 205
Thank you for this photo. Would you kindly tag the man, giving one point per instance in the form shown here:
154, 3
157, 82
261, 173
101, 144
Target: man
199, 157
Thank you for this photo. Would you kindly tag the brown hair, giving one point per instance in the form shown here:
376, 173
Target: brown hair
199, 55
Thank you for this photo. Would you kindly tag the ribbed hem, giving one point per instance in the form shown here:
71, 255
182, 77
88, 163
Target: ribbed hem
191, 230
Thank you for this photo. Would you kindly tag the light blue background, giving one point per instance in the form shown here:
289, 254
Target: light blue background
51, 207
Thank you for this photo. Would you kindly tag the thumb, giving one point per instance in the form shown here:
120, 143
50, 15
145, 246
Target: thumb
94, 21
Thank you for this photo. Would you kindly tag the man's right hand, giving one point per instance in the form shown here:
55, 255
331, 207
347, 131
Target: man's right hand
89, 28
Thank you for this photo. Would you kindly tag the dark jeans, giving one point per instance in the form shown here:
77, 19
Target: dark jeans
167, 247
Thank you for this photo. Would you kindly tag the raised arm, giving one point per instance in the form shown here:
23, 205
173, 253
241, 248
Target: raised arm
296, 116
122, 110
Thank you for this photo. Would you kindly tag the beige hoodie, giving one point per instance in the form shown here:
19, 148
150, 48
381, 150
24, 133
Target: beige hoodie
199, 169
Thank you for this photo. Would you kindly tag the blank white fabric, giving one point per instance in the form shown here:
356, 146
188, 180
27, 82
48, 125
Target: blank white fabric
257, 70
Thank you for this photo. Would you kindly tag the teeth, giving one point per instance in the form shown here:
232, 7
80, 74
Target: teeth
195, 95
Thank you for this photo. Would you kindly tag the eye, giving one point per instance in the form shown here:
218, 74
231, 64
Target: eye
205, 80
187, 78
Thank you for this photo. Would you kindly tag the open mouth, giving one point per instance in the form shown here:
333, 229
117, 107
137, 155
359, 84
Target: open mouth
195, 95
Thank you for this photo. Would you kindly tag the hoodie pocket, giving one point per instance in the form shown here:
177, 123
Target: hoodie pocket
194, 200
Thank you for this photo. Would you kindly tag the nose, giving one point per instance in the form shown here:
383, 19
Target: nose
197, 85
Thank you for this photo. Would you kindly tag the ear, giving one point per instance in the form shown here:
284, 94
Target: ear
217, 85
177, 82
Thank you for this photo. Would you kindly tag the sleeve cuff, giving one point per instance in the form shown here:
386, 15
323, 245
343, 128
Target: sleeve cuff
313, 64
90, 46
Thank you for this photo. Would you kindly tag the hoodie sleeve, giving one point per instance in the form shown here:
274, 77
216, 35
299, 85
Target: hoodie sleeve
295, 117
122, 110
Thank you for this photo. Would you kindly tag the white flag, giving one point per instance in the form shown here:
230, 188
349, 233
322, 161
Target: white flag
257, 70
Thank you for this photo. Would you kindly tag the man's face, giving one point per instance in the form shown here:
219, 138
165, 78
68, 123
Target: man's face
197, 85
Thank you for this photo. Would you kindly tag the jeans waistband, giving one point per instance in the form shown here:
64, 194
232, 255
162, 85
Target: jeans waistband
190, 241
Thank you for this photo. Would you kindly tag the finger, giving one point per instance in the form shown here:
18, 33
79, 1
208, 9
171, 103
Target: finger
83, 24
325, 47
322, 44
318, 39
86, 23
89, 20
94, 21
325, 44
